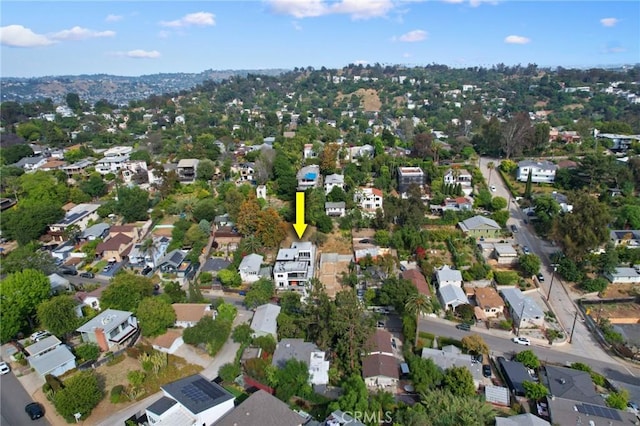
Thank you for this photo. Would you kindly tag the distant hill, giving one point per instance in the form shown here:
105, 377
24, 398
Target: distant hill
115, 89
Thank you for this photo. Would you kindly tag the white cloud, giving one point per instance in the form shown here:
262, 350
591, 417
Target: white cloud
360, 62
413, 36
79, 33
357, 9
406, 55
113, 18
609, 22
200, 19
296, 25
19, 36
163, 34
472, 3
142, 54
516, 39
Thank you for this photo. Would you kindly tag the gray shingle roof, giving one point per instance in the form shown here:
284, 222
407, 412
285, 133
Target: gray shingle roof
49, 361
161, 405
251, 263
107, 320
260, 409
479, 222
293, 349
264, 319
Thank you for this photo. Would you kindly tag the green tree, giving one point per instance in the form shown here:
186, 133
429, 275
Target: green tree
618, 400
229, 278
528, 358
242, 334
126, 291
498, 203
441, 408
13, 154
21, 293
260, 293
229, 371
155, 316
29, 256
94, 186
81, 393
417, 305
87, 351
474, 343
528, 186
530, 264
425, 374
58, 315
598, 284
226, 312
459, 381
133, 204
585, 229
290, 302
534, 391
174, 292
354, 398
29, 220
206, 170
292, 379
205, 209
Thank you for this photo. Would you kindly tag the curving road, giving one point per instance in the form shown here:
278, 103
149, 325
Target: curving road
13, 399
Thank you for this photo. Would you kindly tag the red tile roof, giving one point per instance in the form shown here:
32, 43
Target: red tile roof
376, 191
418, 280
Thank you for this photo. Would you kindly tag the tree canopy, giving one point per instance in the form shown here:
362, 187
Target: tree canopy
21, 293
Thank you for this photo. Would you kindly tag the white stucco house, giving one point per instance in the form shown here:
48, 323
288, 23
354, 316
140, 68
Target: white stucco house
541, 171
249, 268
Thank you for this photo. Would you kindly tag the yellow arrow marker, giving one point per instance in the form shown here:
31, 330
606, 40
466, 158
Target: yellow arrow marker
300, 226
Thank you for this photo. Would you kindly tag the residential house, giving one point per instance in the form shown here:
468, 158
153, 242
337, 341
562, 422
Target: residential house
457, 204
188, 314
249, 268
489, 302
356, 152
515, 374
213, 265
109, 329
480, 226
447, 276
30, 164
526, 419
418, 280
408, 176
91, 299
223, 220
541, 171
308, 177
116, 248
563, 202
261, 409
451, 296
619, 143
369, 200
498, 395
111, 164
452, 356
193, 401
94, 232
295, 267
168, 342
340, 418
309, 152
51, 165
524, 311
129, 230
331, 181
50, 356
305, 352
630, 238
505, 254
152, 255
76, 169
246, 172
58, 284
174, 263
187, 169
572, 384
460, 177
569, 412
226, 239
337, 209
623, 276
261, 192
77, 217
380, 368
264, 320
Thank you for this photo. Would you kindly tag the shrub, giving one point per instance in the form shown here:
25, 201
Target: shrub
505, 277
88, 351
53, 382
136, 378
115, 360
133, 352
229, 371
596, 284
116, 393
81, 394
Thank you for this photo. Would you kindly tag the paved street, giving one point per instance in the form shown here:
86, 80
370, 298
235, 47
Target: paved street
13, 399
561, 300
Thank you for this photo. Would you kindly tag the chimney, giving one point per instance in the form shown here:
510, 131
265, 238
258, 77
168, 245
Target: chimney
101, 339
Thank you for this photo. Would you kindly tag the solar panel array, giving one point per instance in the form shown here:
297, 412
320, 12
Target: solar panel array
194, 394
597, 410
208, 389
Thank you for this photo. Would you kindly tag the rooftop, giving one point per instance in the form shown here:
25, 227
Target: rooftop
106, 320
196, 393
260, 409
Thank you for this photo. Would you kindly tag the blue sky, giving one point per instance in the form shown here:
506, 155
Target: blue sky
148, 37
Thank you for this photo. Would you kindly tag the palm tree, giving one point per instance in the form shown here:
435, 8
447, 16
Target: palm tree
418, 304
251, 244
490, 166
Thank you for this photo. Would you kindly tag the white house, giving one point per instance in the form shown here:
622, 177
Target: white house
459, 176
306, 352
451, 296
624, 276
264, 320
332, 181
50, 356
193, 400
109, 329
368, 199
111, 164
188, 314
308, 151
524, 311
630, 238
79, 216
308, 177
337, 209
250, 267
187, 169
295, 267
541, 171
447, 276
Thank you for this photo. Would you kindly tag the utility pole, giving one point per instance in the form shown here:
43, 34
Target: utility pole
520, 319
573, 327
553, 275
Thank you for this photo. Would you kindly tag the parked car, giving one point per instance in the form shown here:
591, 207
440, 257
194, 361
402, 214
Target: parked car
242, 293
107, 268
68, 271
87, 274
514, 229
486, 370
4, 368
493, 188
380, 324
463, 326
540, 277
39, 335
34, 410
521, 341
526, 250
393, 343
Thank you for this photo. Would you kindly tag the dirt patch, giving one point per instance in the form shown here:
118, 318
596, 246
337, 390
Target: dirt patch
614, 291
336, 243
572, 106
330, 273
369, 99
540, 104
624, 313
